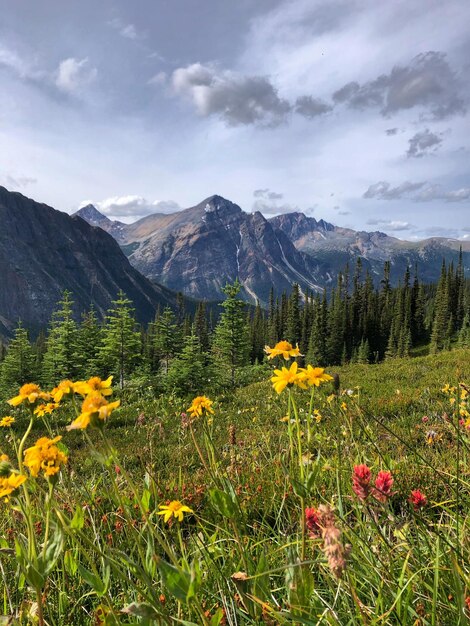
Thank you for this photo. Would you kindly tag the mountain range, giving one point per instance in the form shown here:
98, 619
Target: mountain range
44, 251
197, 250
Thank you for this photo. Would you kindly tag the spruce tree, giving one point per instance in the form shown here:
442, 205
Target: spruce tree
188, 374
120, 349
19, 365
167, 338
59, 359
231, 344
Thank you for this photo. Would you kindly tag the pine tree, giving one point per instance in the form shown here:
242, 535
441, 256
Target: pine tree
19, 365
440, 326
201, 327
231, 344
88, 345
120, 349
293, 331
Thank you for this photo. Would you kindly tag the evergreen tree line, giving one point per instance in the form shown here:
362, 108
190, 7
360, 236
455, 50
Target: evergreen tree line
353, 322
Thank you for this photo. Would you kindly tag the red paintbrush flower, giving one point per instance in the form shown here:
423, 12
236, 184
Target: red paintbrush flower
361, 481
383, 486
417, 499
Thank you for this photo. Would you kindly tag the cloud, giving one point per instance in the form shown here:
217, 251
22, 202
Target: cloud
393, 225
423, 143
159, 79
417, 192
384, 191
272, 208
311, 107
391, 131
129, 31
267, 194
19, 181
133, 207
427, 82
73, 75
235, 98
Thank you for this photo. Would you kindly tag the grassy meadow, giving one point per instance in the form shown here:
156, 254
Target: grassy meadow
342, 503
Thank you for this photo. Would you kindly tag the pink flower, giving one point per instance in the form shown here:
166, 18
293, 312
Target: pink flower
383, 486
312, 520
417, 499
425, 419
361, 481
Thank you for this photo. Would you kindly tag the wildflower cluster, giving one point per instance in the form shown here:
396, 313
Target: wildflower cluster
301, 377
45, 456
381, 490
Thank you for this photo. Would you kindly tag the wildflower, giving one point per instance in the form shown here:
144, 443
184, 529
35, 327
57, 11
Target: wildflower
315, 375
43, 409
417, 499
333, 548
10, 484
317, 415
45, 456
93, 386
344, 406
448, 389
95, 411
361, 481
330, 398
284, 349
425, 419
312, 521
432, 437
30, 393
175, 509
383, 486
200, 405
64, 388
284, 377
7, 421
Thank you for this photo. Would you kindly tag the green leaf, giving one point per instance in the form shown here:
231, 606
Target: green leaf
223, 503
141, 609
92, 579
70, 563
78, 519
179, 582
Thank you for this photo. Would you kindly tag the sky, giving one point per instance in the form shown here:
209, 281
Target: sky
352, 111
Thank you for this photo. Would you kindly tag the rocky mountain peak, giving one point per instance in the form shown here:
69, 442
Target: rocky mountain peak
91, 215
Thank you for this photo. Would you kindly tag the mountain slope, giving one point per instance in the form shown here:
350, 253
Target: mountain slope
334, 246
43, 252
90, 214
198, 250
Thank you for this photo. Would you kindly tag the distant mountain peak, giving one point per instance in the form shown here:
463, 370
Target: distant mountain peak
91, 215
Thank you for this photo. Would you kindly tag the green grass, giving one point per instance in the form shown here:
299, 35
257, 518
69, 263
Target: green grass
248, 475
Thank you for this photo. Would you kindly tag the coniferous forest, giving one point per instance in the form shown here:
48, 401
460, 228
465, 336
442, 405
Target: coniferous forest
352, 322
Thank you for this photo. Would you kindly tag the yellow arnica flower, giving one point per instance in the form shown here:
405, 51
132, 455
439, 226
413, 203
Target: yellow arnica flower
200, 405
94, 385
10, 484
45, 456
284, 377
95, 410
7, 421
283, 348
30, 393
315, 375
64, 388
45, 409
175, 509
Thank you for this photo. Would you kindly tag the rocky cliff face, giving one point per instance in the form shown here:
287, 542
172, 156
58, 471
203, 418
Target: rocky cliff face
200, 249
43, 252
90, 214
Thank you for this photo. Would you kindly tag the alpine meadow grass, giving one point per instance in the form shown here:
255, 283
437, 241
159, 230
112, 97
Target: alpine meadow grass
337, 496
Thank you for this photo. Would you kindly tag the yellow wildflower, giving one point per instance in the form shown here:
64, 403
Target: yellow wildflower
284, 349
45, 409
30, 393
7, 421
45, 456
284, 377
64, 388
344, 406
175, 509
10, 484
317, 415
94, 385
315, 375
95, 409
200, 405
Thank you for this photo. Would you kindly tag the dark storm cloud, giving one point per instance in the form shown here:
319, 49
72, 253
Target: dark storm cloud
237, 99
427, 82
423, 143
311, 107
